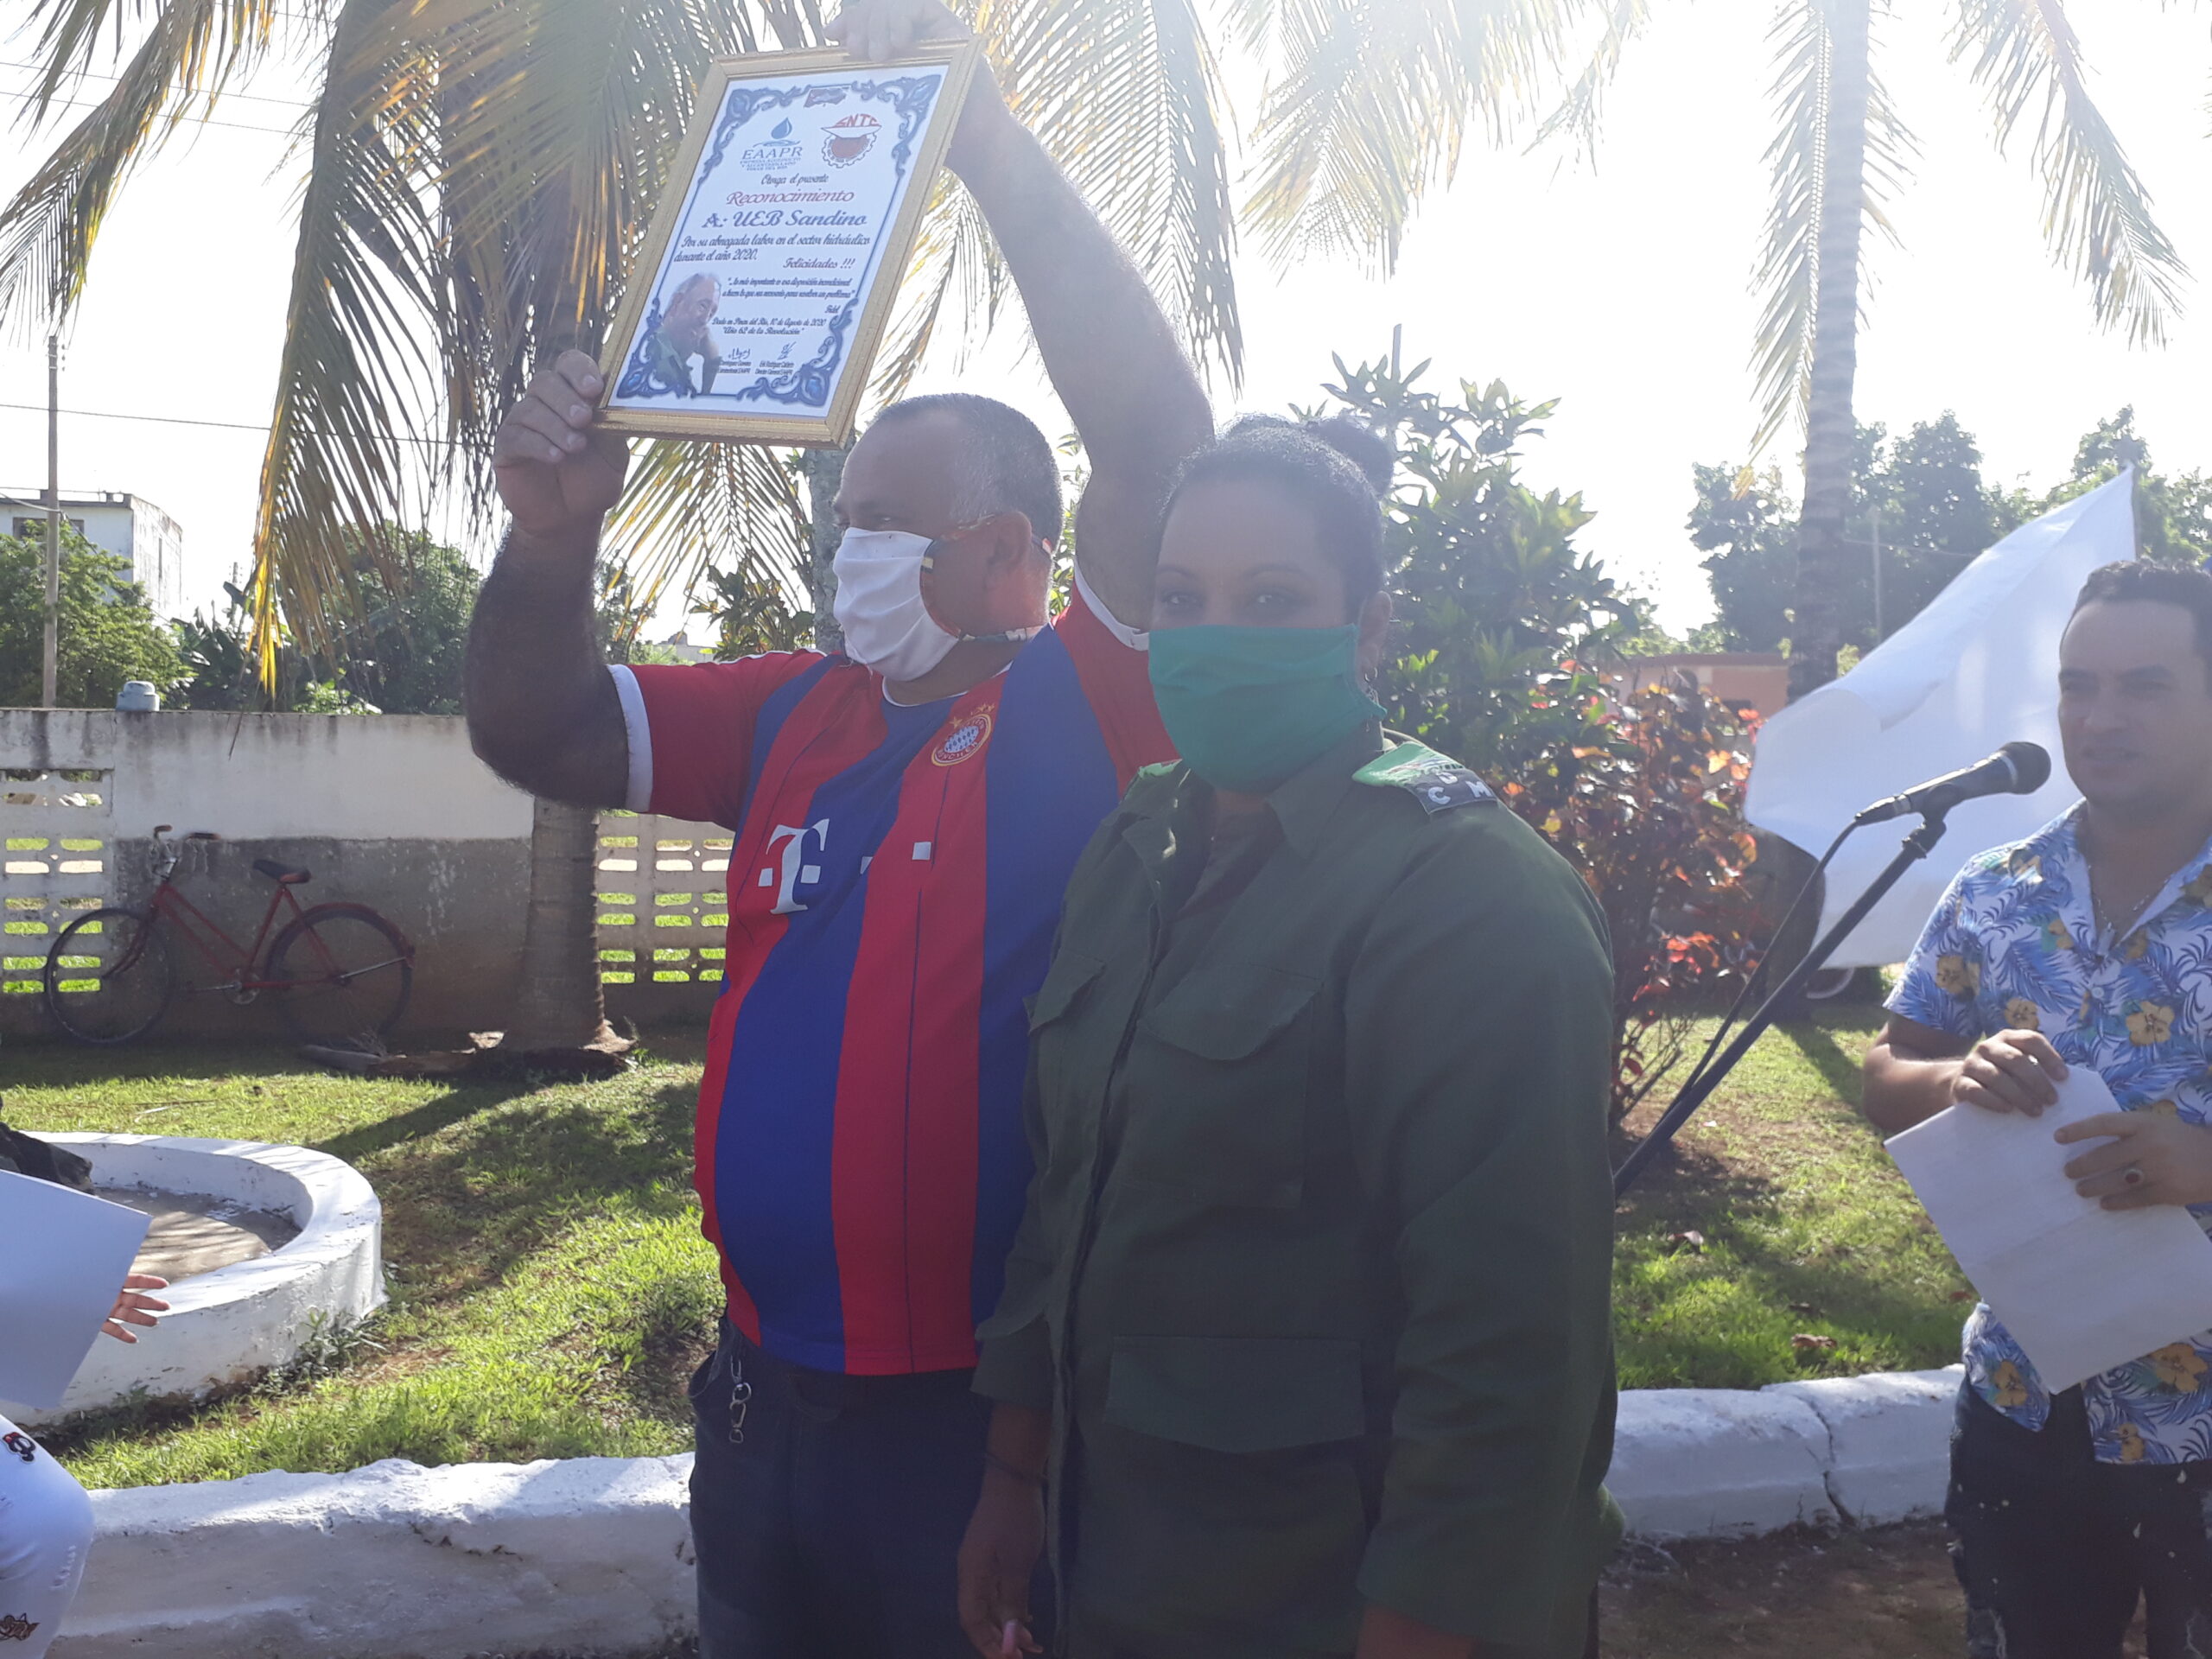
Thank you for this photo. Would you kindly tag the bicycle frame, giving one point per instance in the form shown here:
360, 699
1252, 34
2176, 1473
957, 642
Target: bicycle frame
167, 901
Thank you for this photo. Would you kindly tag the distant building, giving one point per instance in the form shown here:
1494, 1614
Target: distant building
129, 527
1757, 679
679, 647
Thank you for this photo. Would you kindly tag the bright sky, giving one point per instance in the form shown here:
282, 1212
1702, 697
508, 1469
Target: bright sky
1621, 289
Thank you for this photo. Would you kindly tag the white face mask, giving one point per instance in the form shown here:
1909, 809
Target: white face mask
879, 605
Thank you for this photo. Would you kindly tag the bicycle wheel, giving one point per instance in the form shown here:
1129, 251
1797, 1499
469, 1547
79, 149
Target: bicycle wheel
347, 975
109, 977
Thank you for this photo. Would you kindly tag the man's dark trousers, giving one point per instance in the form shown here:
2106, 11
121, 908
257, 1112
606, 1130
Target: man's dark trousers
2054, 1549
827, 1510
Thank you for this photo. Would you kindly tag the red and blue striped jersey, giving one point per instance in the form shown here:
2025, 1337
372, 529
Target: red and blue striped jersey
894, 881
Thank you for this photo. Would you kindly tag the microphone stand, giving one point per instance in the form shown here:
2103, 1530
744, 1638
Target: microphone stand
1917, 846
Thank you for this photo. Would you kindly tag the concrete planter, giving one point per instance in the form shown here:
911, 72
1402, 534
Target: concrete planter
231, 1325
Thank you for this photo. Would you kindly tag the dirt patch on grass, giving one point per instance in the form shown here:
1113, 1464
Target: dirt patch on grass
1884, 1593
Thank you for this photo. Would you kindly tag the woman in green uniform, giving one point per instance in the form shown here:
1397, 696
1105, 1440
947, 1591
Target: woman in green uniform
1304, 1347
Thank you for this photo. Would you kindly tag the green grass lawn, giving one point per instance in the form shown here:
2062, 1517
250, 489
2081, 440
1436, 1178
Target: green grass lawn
550, 1291
550, 1287
1807, 1229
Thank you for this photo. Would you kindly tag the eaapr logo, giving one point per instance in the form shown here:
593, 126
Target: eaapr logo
795, 868
779, 149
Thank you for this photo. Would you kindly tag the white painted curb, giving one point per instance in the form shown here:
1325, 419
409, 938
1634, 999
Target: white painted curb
1697, 1462
593, 1555
588, 1555
240, 1320
1889, 1440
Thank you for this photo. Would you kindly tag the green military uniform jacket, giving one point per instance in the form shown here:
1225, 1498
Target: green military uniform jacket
1315, 1270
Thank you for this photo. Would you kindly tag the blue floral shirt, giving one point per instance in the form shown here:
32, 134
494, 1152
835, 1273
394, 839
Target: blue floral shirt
2015, 945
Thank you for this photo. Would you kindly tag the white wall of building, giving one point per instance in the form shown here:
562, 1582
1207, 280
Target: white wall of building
129, 527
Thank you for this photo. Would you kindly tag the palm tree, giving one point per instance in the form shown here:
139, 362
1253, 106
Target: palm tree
1364, 119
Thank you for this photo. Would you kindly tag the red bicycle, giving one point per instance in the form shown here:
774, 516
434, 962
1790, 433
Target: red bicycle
341, 975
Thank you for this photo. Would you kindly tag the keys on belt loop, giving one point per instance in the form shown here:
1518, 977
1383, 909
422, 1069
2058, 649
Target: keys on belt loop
741, 1396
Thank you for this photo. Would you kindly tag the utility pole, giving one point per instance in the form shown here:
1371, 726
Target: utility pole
1879, 633
50, 668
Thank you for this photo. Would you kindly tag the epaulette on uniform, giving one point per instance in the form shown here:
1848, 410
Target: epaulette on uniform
1437, 781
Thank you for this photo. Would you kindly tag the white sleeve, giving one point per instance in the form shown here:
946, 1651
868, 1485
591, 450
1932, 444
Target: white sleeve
1134, 639
638, 793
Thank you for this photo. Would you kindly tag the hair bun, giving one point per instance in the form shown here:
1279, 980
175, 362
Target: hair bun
1358, 443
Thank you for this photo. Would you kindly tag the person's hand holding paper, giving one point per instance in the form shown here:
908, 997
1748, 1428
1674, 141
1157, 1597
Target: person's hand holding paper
2141, 1158
2081, 1286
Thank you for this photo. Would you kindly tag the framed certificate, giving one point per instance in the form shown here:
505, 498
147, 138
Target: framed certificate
761, 293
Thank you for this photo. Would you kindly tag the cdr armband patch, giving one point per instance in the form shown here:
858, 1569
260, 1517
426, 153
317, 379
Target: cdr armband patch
1437, 781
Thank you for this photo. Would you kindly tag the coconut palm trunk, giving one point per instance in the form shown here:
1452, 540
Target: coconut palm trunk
1830, 428
558, 1004
825, 470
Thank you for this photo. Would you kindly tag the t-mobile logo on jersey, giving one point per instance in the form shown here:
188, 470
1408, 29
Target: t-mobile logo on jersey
794, 866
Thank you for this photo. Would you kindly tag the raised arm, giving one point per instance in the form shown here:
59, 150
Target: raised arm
542, 712
1110, 353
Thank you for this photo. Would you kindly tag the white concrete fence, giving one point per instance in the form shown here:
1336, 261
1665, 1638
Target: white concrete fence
394, 811
593, 1555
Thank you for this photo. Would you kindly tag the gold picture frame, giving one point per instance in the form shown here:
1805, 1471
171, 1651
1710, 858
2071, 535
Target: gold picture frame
796, 195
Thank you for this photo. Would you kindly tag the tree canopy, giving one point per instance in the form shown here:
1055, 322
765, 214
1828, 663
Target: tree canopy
1924, 498
108, 634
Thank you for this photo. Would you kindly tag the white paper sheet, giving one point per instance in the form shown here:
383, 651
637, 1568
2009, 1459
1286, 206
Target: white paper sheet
63, 1256
2080, 1287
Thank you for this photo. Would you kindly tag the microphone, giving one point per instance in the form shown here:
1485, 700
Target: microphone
2016, 769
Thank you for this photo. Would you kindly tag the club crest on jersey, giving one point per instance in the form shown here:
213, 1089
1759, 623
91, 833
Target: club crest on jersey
965, 740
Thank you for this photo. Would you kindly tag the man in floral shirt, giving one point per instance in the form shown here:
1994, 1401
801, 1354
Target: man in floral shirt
2089, 943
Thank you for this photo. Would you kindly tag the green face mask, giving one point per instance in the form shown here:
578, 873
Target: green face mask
1248, 707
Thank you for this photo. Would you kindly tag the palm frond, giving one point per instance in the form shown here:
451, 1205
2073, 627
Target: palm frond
2096, 213
206, 44
689, 507
1789, 269
1127, 96
352, 380
47, 231
556, 121
1578, 110
1371, 103
954, 262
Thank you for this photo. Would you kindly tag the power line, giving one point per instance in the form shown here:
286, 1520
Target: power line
97, 75
198, 120
226, 426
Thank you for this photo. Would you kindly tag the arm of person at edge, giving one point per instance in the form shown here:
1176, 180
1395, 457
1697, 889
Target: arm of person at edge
1478, 1032
1914, 1072
1111, 355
